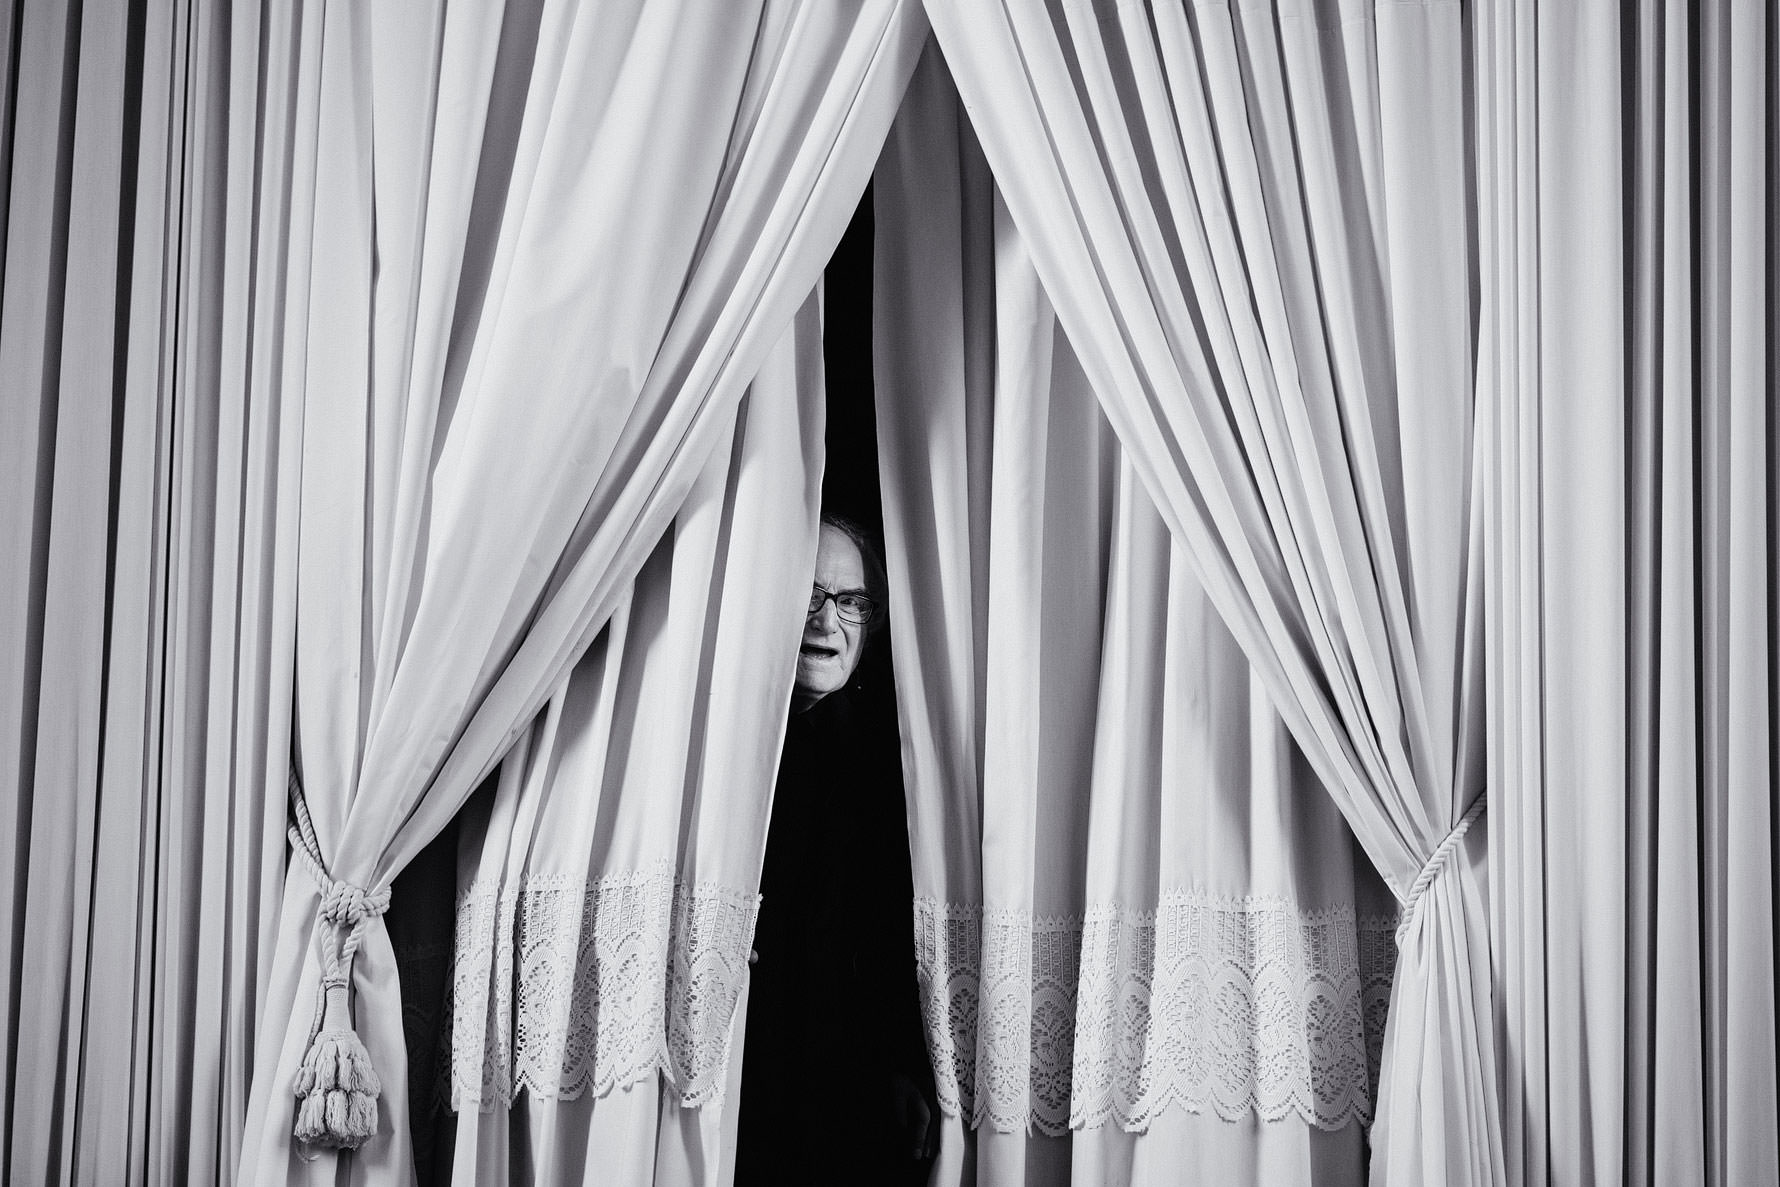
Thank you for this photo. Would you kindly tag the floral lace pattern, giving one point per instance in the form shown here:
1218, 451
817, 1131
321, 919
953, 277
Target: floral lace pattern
560, 987
1378, 967
1208, 1004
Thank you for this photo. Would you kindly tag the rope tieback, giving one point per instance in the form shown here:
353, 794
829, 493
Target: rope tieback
1437, 862
336, 1086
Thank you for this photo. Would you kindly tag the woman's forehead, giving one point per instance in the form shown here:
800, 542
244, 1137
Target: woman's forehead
838, 563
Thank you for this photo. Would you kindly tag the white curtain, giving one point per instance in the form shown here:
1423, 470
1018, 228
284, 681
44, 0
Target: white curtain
608, 885
157, 157
1253, 222
146, 602
512, 371
1629, 355
166, 164
1144, 942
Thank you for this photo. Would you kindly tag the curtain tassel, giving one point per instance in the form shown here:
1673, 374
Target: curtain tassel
1437, 861
336, 1085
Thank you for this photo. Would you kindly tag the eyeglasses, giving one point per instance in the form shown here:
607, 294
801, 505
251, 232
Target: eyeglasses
850, 604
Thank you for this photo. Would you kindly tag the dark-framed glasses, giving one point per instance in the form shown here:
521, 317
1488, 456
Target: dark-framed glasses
850, 604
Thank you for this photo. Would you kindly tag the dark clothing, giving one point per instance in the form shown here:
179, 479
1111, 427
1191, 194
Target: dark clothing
833, 1015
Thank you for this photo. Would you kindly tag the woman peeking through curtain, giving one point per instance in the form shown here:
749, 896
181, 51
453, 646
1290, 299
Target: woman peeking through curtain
833, 966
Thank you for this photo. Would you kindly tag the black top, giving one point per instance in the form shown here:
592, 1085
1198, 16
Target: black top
833, 1014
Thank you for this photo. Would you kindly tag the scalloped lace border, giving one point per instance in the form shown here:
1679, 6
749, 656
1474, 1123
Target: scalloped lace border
1207, 1003
561, 987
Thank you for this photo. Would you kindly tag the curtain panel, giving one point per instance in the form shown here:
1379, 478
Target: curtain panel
180, 236
1628, 355
511, 373
1147, 945
608, 885
147, 563
1251, 220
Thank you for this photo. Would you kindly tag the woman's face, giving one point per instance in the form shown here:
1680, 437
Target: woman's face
831, 645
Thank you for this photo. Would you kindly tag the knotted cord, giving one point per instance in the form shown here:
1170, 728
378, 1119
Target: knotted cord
344, 907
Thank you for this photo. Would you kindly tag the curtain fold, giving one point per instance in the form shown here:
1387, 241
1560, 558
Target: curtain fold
1627, 353
607, 887
1252, 223
192, 193
511, 374
1156, 950
147, 605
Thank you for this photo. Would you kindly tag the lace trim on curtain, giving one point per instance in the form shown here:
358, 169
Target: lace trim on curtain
1210, 1004
561, 987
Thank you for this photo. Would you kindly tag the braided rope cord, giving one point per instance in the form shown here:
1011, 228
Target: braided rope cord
1436, 863
345, 909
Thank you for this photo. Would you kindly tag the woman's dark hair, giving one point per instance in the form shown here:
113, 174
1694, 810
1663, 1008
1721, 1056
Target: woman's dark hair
877, 582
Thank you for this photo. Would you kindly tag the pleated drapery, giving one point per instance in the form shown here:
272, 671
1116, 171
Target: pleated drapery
1613, 206
1139, 925
607, 888
511, 374
147, 564
1628, 190
1251, 221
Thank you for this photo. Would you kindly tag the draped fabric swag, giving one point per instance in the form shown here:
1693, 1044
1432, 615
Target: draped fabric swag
1251, 220
1137, 911
607, 887
512, 373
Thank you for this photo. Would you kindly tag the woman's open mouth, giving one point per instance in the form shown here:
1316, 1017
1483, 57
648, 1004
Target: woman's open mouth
818, 651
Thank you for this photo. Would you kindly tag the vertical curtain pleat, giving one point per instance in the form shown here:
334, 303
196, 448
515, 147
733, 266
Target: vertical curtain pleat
1627, 358
27, 437
148, 608
1741, 392
58, 858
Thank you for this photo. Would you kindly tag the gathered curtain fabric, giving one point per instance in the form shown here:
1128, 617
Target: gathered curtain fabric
1628, 189
511, 372
608, 883
174, 215
1252, 222
1145, 938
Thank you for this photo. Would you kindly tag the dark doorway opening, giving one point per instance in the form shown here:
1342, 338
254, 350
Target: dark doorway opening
850, 479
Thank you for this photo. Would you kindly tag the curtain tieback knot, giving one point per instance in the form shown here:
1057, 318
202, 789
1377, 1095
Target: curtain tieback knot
336, 1086
347, 906
1437, 861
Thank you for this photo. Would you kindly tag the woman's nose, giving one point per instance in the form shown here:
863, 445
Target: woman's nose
824, 617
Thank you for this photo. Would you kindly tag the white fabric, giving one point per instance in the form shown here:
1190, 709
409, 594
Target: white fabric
512, 372
1133, 898
146, 602
563, 987
153, 208
1227, 1006
609, 885
1628, 356
1250, 219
